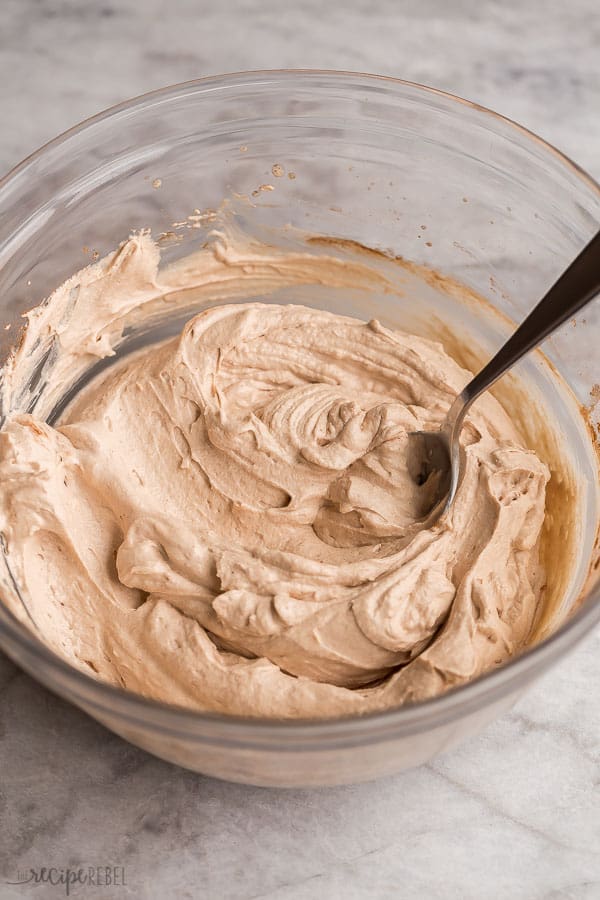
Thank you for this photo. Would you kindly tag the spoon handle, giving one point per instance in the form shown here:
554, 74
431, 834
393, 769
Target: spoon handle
576, 286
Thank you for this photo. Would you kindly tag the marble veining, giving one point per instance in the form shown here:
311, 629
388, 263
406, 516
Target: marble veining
512, 813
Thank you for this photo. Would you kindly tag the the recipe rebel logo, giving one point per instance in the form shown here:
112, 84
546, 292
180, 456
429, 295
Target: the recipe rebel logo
72, 879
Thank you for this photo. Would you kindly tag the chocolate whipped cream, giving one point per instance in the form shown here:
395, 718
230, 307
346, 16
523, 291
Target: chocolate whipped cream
223, 520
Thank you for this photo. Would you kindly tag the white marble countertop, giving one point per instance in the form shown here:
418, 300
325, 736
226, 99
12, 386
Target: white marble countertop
513, 813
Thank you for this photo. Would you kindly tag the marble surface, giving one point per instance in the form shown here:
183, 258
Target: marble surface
514, 812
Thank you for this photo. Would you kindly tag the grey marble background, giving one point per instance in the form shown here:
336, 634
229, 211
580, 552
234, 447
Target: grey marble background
514, 813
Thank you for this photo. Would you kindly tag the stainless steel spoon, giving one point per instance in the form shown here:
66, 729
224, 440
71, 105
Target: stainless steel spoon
436, 453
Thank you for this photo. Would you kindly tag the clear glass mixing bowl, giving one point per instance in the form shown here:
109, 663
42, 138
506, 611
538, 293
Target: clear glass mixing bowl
384, 162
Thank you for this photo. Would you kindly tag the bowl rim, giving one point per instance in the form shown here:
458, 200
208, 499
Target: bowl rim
76, 685
255, 76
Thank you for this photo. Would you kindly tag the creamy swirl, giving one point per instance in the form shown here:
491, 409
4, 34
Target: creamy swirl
221, 521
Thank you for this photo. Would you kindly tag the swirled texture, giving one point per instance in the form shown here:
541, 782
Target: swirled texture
221, 522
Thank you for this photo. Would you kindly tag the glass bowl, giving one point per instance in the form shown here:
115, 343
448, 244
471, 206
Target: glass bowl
393, 165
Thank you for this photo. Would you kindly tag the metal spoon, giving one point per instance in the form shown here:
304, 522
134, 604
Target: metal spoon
436, 453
